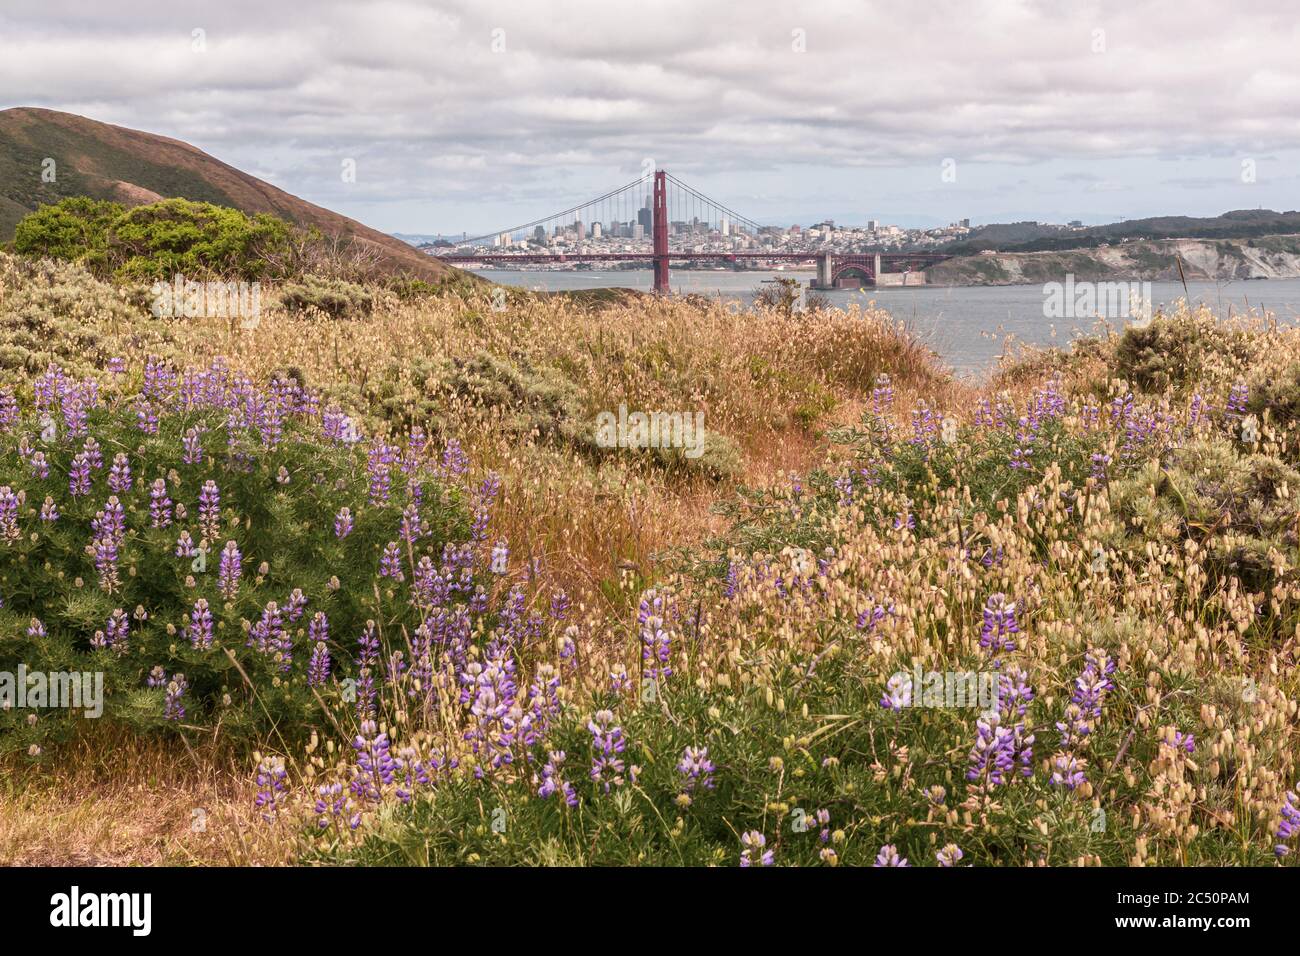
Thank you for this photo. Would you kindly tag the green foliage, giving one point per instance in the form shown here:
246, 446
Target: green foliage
278, 504
336, 298
1172, 351
157, 240
72, 229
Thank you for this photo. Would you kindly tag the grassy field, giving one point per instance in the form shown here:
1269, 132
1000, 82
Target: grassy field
373, 592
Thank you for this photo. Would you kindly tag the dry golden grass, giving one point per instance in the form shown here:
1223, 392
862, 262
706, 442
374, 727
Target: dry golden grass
114, 799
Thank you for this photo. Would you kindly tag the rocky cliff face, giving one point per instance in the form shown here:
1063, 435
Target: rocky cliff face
1267, 257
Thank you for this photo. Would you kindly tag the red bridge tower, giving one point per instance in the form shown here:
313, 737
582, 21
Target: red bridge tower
659, 231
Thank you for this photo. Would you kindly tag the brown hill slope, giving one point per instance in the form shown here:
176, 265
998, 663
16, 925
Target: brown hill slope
131, 167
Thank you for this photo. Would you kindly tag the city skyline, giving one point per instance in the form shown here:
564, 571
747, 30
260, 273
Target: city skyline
455, 116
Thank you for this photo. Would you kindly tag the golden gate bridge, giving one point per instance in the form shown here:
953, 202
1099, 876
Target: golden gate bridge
663, 220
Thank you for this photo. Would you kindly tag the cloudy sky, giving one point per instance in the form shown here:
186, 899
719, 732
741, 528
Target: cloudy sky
478, 115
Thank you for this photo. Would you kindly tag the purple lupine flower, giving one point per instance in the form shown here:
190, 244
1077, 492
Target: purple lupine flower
335, 806
500, 557
185, 546
454, 460
375, 767
553, 783
619, 681
923, 425
697, 769
844, 485
106, 556
229, 571
318, 667
1090, 690
409, 528
1289, 824
160, 506
1026, 435
390, 563
119, 476
271, 786
192, 445
731, 583
39, 466
378, 463
8, 410
79, 476
606, 744
1000, 626
296, 604
343, 523
882, 396
200, 625
559, 605
49, 510
1235, 407
94, 454
871, 617
1067, 771
754, 849
210, 510
117, 630
146, 418
949, 856
36, 628
898, 692
110, 521
74, 414
997, 751
367, 657
656, 642
157, 677
173, 709
9, 500
888, 856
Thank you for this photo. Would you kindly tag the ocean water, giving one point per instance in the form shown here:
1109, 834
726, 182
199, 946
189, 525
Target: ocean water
969, 326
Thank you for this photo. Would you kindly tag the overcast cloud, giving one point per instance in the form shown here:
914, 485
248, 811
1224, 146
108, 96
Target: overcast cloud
478, 115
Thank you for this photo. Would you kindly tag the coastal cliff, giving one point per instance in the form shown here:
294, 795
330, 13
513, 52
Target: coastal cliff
1264, 257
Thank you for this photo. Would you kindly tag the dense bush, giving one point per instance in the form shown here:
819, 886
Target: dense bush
1172, 351
121, 511
157, 240
337, 298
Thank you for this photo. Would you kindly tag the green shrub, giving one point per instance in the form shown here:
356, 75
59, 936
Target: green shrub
158, 240
71, 229
336, 298
281, 485
1172, 351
